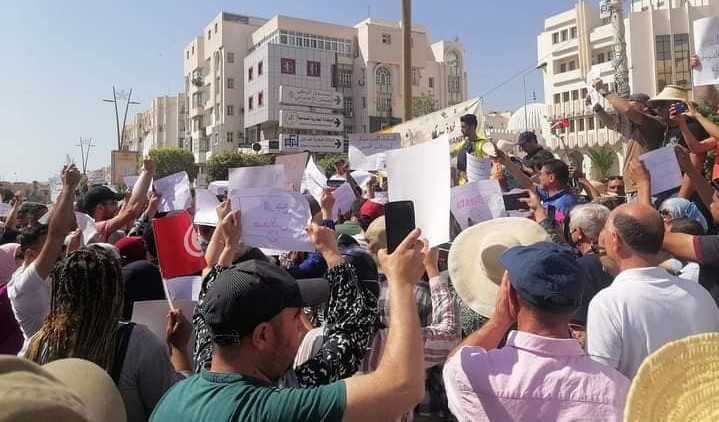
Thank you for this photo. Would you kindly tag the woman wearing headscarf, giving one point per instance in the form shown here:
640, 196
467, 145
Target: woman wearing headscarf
10, 335
676, 208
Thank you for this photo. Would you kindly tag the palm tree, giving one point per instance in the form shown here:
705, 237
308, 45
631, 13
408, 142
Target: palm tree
603, 158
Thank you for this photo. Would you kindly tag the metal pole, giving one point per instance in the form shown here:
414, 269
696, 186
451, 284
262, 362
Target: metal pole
82, 155
117, 118
621, 74
524, 87
124, 118
406, 73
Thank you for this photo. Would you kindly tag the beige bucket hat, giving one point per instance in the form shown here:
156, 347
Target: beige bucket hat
474, 259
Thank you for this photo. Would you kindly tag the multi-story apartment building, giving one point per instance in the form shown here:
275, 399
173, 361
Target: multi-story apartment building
359, 66
162, 124
213, 70
659, 43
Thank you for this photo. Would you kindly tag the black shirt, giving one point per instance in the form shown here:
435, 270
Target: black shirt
597, 280
535, 158
674, 135
707, 251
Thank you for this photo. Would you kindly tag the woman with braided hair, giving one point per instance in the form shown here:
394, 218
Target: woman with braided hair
86, 309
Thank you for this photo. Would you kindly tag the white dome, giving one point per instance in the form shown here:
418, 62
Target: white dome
536, 118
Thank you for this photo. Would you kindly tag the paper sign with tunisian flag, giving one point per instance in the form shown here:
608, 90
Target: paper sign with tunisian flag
178, 250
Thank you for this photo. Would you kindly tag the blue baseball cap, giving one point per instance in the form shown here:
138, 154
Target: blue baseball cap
546, 275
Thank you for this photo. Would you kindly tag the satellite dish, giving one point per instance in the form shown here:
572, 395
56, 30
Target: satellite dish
256, 147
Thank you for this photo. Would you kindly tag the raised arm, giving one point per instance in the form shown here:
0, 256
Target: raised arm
642, 179
136, 203
694, 178
398, 383
10, 222
620, 104
524, 181
700, 146
217, 242
707, 94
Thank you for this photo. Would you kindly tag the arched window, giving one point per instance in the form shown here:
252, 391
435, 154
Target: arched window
384, 79
454, 63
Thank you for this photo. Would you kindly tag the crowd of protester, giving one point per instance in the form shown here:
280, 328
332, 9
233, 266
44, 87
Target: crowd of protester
544, 317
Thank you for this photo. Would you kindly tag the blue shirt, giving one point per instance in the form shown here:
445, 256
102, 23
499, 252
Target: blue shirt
563, 200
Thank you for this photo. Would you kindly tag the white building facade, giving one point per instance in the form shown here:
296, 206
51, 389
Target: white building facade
161, 125
236, 105
659, 43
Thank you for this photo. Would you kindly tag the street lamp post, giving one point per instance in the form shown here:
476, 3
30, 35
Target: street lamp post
115, 96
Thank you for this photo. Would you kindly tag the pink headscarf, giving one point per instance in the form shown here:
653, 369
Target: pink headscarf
7, 261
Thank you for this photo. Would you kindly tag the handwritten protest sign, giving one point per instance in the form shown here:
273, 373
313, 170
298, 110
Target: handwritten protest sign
663, 169
478, 168
362, 177
5, 209
184, 288
477, 201
272, 176
706, 45
593, 74
367, 151
421, 174
274, 219
294, 168
344, 198
174, 191
314, 180
205, 207
153, 315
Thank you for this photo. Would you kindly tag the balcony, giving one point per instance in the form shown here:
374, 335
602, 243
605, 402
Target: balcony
566, 77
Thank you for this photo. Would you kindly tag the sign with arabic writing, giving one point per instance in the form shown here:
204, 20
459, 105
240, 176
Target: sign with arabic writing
310, 97
441, 122
706, 44
312, 143
367, 151
274, 219
305, 120
605, 9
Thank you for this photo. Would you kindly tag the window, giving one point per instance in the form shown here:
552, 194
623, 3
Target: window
230, 136
557, 98
313, 68
600, 58
217, 85
345, 79
187, 56
573, 32
230, 57
575, 95
250, 103
601, 124
565, 96
260, 69
453, 85
664, 61
249, 73
287, 66
383, 78
386, 39
584, 93
193, 50
681, 60
260, 99
364, 103
209, 35
384, 103
581, 125
555, 38
590, 123
416, 76
565, 35
572, 65
230, 83
430, 81
230, 110
562, 68
610, 55
347, 111
454, 63
215, 28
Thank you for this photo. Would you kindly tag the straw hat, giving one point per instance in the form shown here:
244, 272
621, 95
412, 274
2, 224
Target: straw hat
504, 145
672, 93
678, 382
474, 258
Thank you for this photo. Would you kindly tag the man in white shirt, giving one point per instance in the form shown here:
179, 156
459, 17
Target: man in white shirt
41, 246
645, 307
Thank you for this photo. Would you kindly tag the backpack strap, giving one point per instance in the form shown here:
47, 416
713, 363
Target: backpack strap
122, 339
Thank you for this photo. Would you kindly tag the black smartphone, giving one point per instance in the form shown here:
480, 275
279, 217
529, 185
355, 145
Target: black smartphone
551, 214
715, 184
335, 183
512, 202
680, 108
399, 222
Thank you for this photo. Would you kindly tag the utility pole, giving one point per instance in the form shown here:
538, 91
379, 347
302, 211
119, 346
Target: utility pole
621, 73
406, 73
115, 96
85, 154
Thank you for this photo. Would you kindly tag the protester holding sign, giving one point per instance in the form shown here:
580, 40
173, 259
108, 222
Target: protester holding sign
472, 144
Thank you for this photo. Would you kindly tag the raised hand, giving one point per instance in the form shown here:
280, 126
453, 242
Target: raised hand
406, 264
324, 239
178, 329
231, 228
70, 176
639, 173
149, 165
223, 208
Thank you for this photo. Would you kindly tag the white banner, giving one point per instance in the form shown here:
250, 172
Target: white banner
441, 122
367, 150
706, 45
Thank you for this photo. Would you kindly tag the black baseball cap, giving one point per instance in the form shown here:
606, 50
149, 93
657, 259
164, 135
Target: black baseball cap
97, 195
252, 292
546, 275
526, 137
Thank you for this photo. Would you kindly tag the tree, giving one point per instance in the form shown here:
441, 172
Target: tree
218, 167
424, 104
603, 158
171, 160
6, 194
327, 162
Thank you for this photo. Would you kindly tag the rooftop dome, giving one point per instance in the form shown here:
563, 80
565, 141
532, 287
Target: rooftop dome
536, 118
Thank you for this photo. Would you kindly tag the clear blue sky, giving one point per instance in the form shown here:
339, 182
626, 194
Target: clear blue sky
61, 58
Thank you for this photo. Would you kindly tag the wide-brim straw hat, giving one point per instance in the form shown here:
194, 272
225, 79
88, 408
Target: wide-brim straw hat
678, 382
474, 259
671, 93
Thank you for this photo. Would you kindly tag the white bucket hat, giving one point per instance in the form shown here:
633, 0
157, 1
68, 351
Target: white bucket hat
673, 93
474, 259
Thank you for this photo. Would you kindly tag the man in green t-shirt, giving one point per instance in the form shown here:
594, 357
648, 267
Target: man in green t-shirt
253, 313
